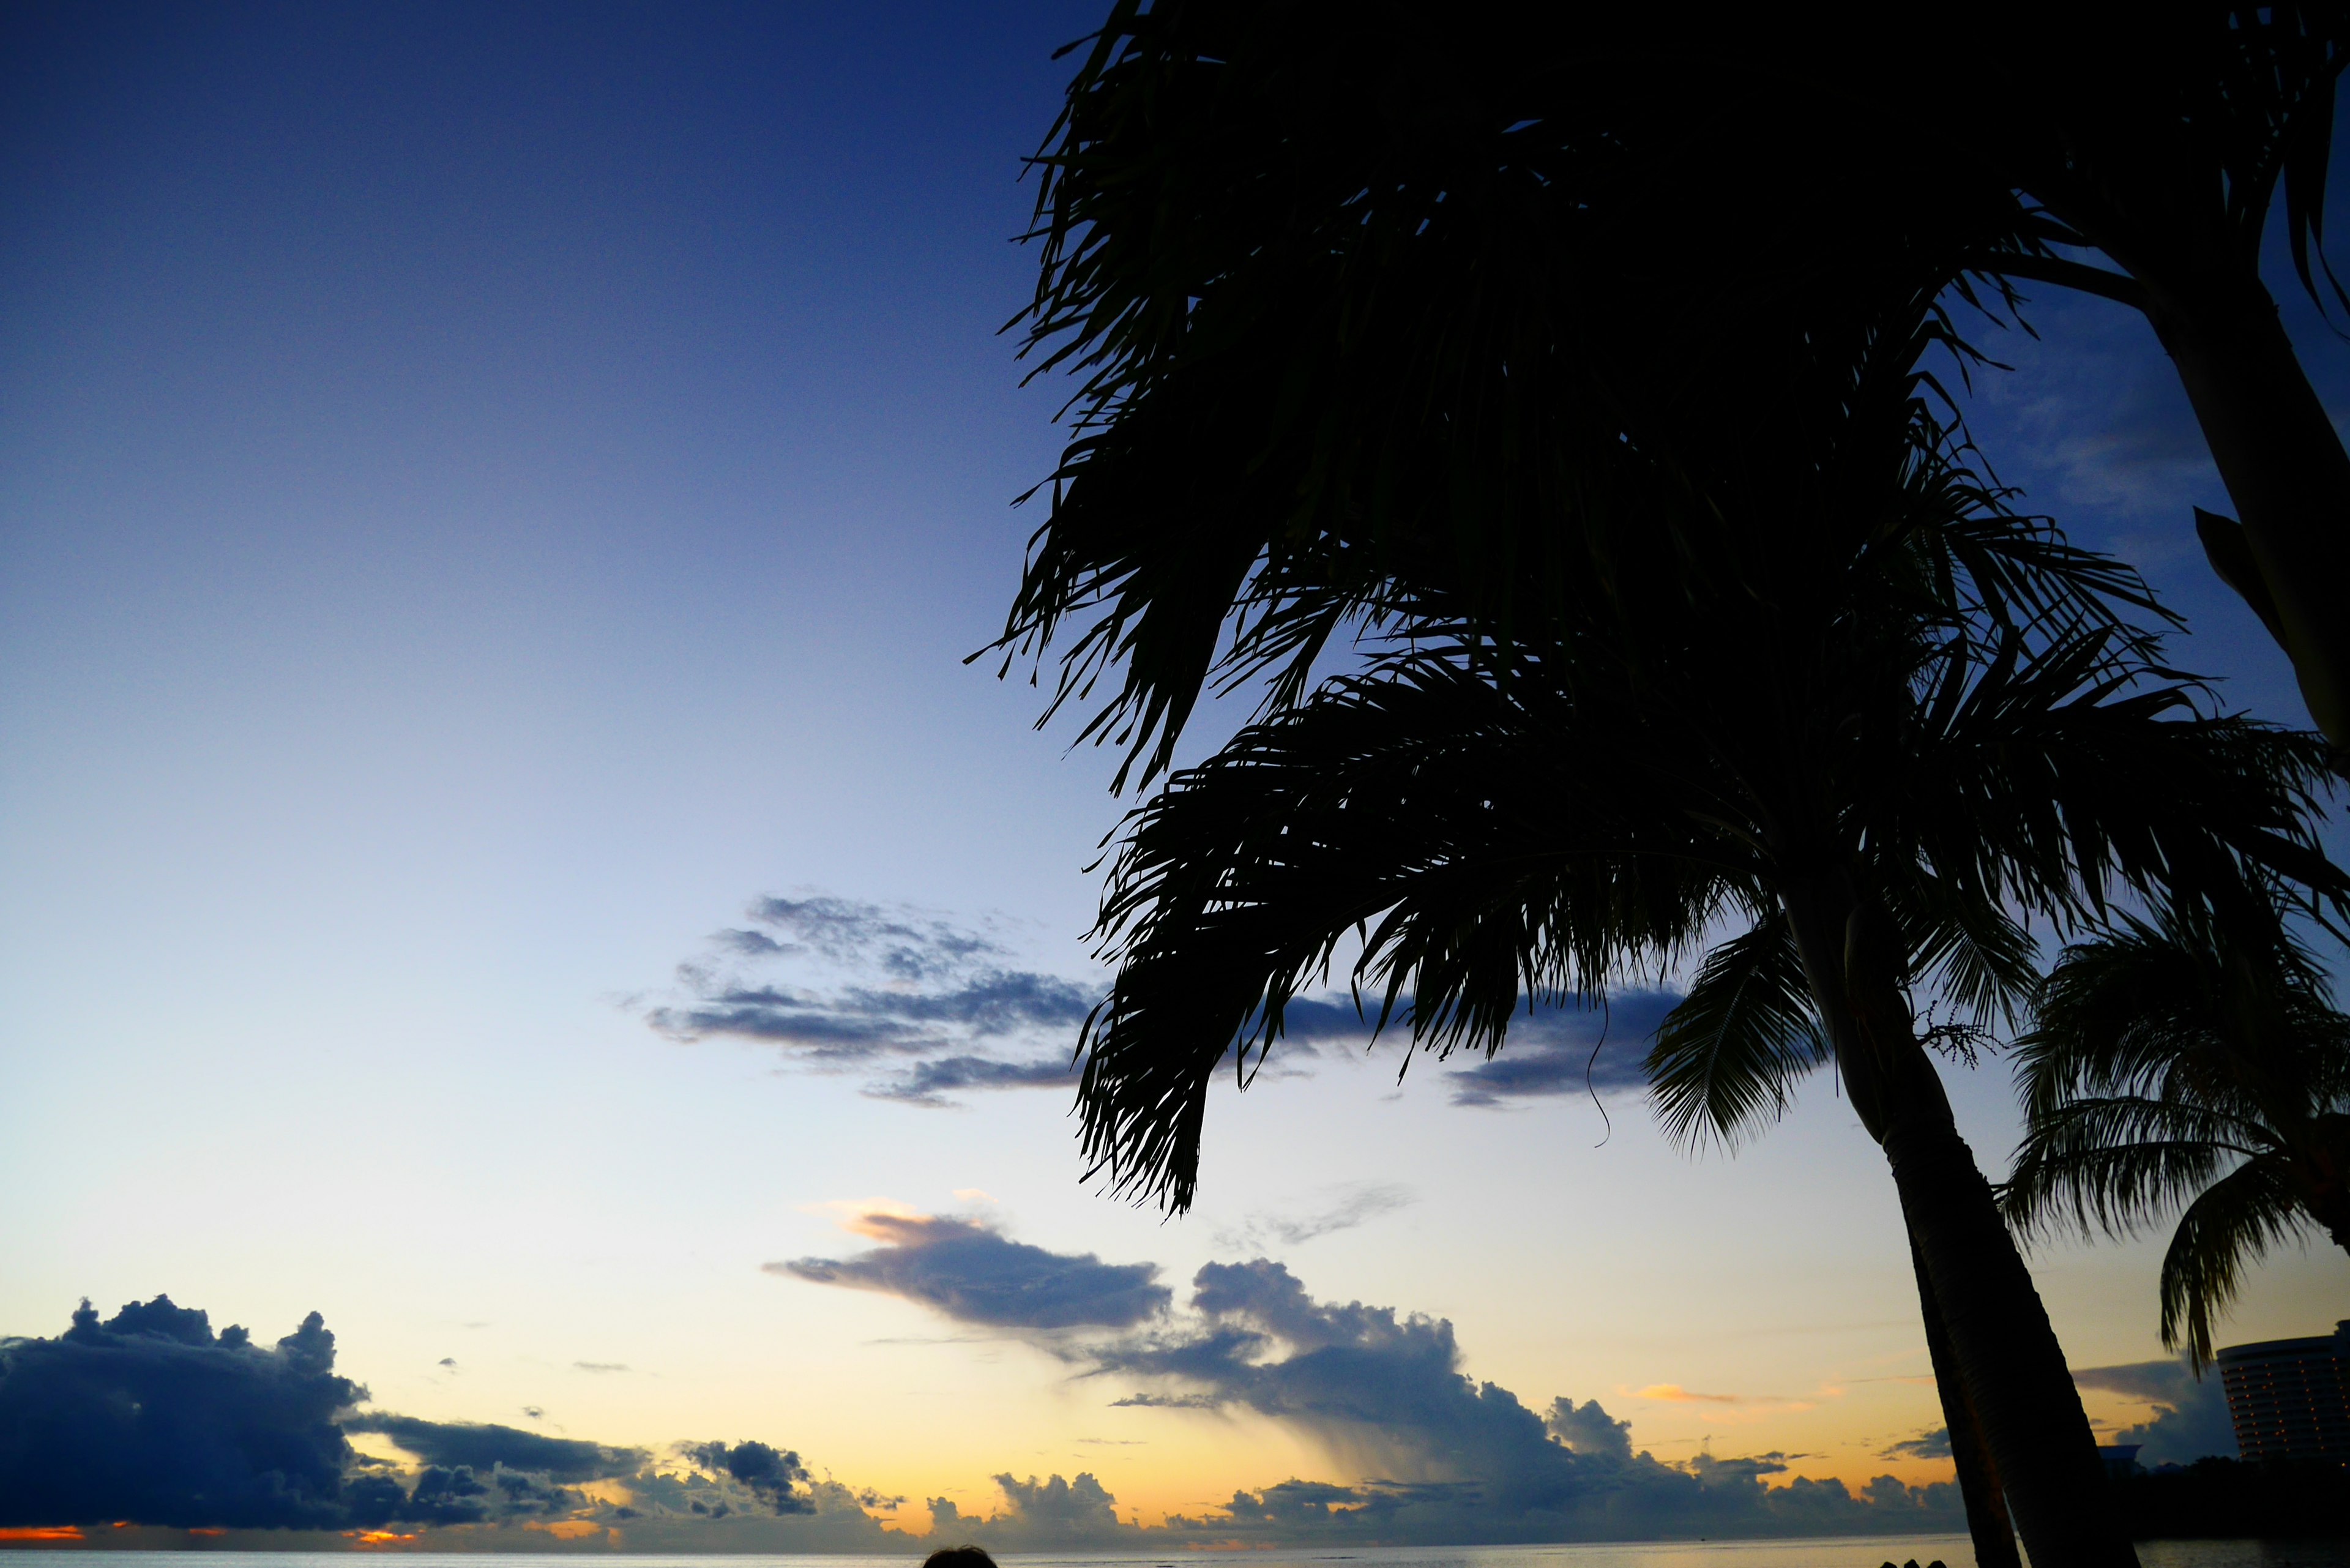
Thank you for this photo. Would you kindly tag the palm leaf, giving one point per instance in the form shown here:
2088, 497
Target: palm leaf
1731, 1052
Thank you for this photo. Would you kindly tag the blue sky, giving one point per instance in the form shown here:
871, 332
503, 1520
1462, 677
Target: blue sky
493, 500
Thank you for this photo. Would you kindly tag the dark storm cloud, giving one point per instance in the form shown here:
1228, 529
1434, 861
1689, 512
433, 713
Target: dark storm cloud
485, 1447
973, 1275
150, 1416
871, 987
769, 1473
2189, 1420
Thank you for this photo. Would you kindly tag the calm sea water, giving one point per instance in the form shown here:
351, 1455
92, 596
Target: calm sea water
1841, 1553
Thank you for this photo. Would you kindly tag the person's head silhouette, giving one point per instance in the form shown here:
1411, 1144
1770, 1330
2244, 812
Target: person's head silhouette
959, 1557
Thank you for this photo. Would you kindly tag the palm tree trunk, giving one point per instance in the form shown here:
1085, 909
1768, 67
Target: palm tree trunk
2008, 1367
1987, 1522
2284, 468
2008, 1359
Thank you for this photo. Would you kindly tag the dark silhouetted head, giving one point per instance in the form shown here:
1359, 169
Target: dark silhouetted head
959, 1557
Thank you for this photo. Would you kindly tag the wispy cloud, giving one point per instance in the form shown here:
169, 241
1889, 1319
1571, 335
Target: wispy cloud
256, 1447
1345, 1207
927, 1006
1932, 1445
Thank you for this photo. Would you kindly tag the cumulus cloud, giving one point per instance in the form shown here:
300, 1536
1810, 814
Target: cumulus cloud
1448, 1458
1445, 1458
769, 1473
150, 1416
2188, 1416
975, 1274
930, 1006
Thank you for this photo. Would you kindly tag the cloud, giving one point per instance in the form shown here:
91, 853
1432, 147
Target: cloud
1589, 1431
867, 988
487, 1446
769, 1472
974, 1274
908, 943
150, 1416
1674, 1394
2189, 1420
599, 1366
1569, 1049
931, 1008
1933, 1445
930, 1082
1357, 1203
1452, 1459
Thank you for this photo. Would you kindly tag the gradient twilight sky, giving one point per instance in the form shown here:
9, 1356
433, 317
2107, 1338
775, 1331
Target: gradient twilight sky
487, 493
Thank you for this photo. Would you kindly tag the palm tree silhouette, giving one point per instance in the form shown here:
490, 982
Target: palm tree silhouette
2158, 140
1681, 609
1213, 154
2192, 1065
1821, 725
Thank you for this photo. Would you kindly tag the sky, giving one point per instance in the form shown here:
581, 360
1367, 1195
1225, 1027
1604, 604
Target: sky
500, 848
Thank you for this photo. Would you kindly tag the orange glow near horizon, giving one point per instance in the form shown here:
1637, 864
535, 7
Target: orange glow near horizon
42, 1532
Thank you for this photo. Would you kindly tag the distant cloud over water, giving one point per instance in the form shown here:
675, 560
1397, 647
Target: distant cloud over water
152, 1419
1381, 1392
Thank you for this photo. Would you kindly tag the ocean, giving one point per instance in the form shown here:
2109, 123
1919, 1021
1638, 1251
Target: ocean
1844, 1552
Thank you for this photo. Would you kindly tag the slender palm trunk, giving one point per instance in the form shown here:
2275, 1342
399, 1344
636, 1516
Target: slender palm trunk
2013, 1383
2284, 468
1986, 1501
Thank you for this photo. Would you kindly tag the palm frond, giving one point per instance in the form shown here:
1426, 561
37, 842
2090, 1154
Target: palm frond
2119, 1163
1482, 854
1730, 1054
2222, 1233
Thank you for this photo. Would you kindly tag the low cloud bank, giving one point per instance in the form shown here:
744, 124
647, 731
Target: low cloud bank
152, 1418
1460, 1460
1451, 1460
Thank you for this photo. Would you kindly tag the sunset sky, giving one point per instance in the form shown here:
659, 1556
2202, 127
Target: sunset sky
499, 845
